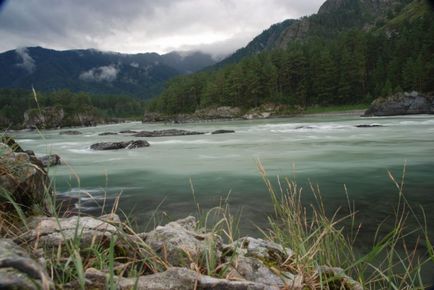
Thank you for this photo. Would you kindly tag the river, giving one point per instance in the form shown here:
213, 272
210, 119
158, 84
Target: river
328, 151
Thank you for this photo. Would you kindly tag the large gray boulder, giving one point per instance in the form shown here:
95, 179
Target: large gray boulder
23, 180
18, 270
179, 243
50, 232
401, 104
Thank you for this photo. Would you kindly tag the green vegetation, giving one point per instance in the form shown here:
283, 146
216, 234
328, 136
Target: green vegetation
15, 102
351, 68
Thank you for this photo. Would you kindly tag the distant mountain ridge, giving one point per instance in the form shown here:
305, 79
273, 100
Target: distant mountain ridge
333, 17
142, 75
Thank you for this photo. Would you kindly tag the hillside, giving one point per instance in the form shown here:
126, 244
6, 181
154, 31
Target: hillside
349, 53
141, 75
333, 17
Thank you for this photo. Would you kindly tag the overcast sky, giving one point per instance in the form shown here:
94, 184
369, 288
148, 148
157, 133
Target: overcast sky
132, 26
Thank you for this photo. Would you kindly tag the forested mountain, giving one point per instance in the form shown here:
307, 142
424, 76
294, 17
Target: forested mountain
349, 52
141, 75
333, 17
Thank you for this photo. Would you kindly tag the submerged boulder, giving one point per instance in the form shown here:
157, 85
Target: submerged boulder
70, 132
401, 104
119, 145
18, 270
222, 131
107, 133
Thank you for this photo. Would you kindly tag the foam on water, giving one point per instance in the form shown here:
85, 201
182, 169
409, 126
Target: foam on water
83, 151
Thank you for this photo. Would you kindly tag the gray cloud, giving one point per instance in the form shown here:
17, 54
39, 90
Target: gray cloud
143, 25
100, 74
27, 62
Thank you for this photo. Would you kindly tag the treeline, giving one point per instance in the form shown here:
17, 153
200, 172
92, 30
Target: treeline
354, 67
14, 102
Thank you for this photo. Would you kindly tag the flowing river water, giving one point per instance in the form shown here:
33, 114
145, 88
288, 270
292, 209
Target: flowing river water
328, 151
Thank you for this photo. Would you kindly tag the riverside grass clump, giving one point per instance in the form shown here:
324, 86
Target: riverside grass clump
318, 238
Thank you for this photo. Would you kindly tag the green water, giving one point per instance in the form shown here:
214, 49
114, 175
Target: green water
327, 150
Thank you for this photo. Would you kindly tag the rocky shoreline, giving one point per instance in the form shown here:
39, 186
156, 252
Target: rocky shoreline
38, 247
401, 104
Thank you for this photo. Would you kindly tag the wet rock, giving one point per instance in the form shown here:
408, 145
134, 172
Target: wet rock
166, 133
70, 132
401, 104
50, 160
24, 178
222, 131
179, 243
18, 270
368, 126
119, 145
128, 132
107, 133
49, 232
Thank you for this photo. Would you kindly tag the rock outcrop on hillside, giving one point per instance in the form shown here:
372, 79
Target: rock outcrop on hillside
401, 104
48, 117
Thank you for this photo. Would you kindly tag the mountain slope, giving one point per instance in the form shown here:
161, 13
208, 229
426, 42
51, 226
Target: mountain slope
141, 75
333, 17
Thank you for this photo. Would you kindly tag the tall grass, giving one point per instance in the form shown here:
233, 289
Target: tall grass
319, 238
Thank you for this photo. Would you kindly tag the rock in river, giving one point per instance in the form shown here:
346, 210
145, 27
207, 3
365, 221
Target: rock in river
50, 160
222, 131
119, 145
166, 133
369, 126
